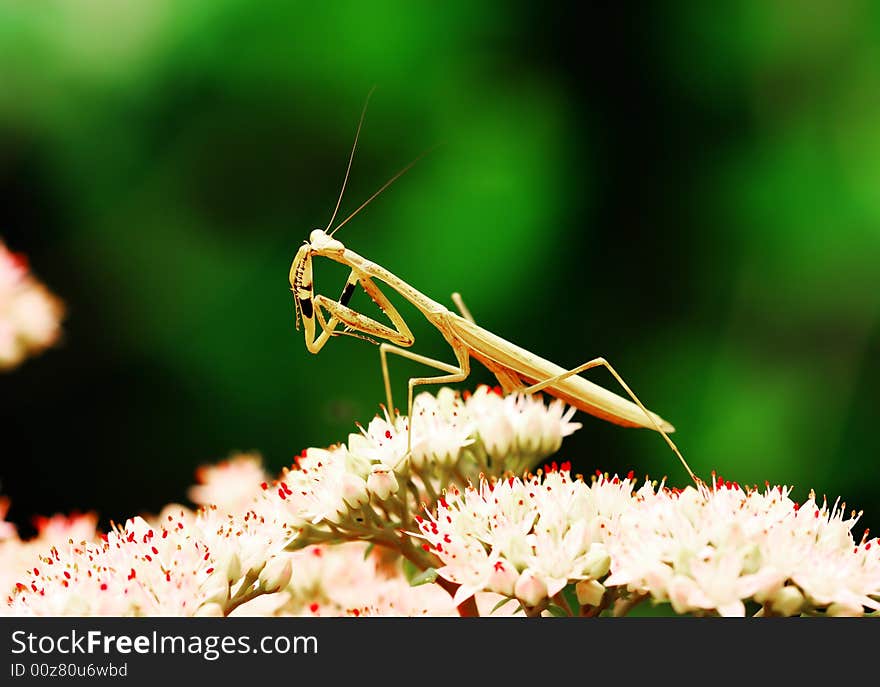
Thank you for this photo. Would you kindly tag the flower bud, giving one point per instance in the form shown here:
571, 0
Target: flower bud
531, 431
751, 559
333, 516
503, 578
355, 462
446, 453
210, 610
420, 455
845, 610
382, 481
598, 562
681, 595
215, 591
530, 589
787, 601
233, 570
354, 490
589, 592
446, 398
497, 435
276, 574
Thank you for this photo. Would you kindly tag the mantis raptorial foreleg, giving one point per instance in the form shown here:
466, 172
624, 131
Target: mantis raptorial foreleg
601, 362
362, 323
328, 329
339, 311
456, 374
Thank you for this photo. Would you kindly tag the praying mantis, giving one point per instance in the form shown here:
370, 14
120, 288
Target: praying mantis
516, 369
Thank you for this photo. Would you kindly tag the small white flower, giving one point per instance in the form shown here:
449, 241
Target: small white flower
231, 484
209, 610
597, 562
354, 490
787, 601
276, 574
502, 579
589, 592
530, 588
382, 481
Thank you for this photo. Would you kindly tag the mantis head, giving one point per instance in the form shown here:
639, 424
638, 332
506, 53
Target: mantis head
323, 243
319, 244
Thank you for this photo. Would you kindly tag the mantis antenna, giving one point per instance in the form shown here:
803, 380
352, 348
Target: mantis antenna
351, 158
384, 186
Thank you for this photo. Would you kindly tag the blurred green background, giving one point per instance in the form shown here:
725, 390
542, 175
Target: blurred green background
689, 190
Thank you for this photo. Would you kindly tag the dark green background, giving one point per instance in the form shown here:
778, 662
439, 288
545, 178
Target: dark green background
689, 190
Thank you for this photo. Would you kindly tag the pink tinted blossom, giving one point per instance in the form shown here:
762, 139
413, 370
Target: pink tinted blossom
29, 314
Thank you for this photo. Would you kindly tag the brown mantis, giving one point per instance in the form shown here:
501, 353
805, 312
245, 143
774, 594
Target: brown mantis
516, 369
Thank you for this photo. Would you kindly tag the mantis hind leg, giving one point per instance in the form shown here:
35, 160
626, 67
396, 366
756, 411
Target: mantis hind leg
454, 374
509, 380
601, 362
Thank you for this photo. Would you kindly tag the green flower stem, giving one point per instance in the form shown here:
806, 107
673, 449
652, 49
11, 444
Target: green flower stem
414, 490
462, 480
623, 606
535, 611
429, 488
562, 602
596, 611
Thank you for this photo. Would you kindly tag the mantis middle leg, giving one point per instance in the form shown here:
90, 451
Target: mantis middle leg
455, 374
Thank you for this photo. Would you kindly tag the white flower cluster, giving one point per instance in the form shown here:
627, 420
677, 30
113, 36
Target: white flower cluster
373, 481
224, 559
347, 579
705, 550
29, 313
714, 549
207, 563
351, 579
340, 533
232, 551
17, 555
527, 538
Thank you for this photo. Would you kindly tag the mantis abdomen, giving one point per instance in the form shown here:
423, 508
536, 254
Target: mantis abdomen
494, 352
